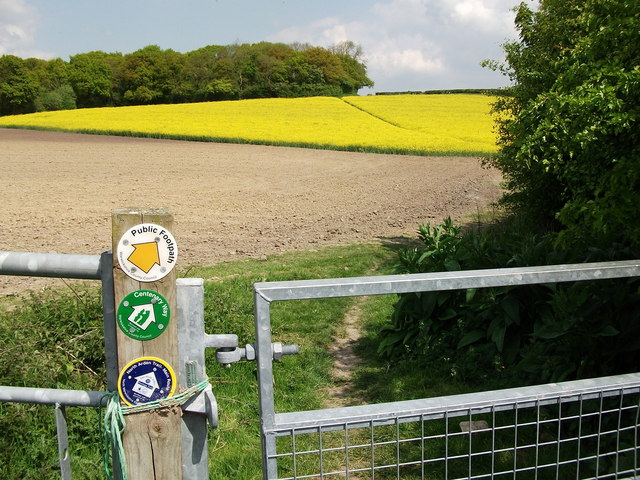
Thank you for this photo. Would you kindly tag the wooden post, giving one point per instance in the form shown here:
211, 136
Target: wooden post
152, 440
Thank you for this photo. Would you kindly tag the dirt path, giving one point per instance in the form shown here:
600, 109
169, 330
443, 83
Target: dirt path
57, 191
345, 359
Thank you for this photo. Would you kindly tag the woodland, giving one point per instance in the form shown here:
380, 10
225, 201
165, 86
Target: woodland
152, 75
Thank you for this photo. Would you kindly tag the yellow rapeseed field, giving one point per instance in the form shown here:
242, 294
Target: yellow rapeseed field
418, 124
461, 122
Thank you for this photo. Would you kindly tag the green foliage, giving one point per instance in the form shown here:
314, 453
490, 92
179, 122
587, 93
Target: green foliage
53, 340
570, 134
300, 381
18, 86
92, 78
569, 147
152, 75
219, 89
62, 98
537, 333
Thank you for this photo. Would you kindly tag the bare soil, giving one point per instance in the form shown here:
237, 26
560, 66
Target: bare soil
57, 191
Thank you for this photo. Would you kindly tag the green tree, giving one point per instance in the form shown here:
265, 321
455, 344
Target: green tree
18, 86
153, 75
61, 98
91, 77
215, 72
56, 93
570, 138
351, 57
206, 74
328, 63
51, 74
295, 74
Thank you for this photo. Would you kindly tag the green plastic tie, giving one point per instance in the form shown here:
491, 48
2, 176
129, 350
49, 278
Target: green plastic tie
113, 425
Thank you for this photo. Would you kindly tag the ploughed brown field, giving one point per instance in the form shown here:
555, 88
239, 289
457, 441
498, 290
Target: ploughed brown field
229, 201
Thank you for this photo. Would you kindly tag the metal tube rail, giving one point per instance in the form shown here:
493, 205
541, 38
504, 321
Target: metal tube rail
455, 405
386, 284
59, 265
53, 396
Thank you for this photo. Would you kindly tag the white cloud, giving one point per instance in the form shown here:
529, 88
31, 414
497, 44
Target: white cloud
395, 62
433, 43
324, 32
484, 15
412, 53
18, 26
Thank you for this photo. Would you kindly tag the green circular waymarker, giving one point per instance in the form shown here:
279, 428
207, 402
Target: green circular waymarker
143, 314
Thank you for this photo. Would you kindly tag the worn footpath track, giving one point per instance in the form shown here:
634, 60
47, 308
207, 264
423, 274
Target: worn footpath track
229, 201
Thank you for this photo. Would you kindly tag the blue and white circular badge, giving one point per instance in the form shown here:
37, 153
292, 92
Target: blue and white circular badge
146, 379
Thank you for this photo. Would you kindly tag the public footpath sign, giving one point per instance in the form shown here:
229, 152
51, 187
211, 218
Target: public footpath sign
146, 379
147, 252
143, 314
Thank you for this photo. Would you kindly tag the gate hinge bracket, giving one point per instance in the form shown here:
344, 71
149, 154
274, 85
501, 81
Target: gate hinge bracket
228, 352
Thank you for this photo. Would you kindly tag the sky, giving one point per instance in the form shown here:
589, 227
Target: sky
409, 45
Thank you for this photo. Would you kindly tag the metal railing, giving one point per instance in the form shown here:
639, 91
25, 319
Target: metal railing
83, 267
582, 429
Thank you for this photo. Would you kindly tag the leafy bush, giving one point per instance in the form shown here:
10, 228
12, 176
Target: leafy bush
62, 98
524, 334
54, 340
570, 136
569, 142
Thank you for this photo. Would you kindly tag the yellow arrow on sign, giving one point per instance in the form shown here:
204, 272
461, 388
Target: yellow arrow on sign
145, 255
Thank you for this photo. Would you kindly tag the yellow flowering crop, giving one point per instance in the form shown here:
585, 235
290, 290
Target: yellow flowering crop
460, 121
420, 124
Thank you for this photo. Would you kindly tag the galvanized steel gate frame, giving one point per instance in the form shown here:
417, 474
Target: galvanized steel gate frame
81, 267
306, 432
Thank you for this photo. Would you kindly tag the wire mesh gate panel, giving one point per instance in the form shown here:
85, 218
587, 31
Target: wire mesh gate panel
582, 429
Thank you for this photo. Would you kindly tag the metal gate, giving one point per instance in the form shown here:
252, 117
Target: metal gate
581, 429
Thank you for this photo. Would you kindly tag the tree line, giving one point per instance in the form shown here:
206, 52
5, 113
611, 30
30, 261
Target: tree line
152, 75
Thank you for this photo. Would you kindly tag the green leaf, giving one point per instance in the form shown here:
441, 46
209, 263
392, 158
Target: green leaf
608, 331
429, 300
511, 346
448, 314
548, 332
498, 337
388, 341
511, 307
471, 292
471, 337
452, 265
